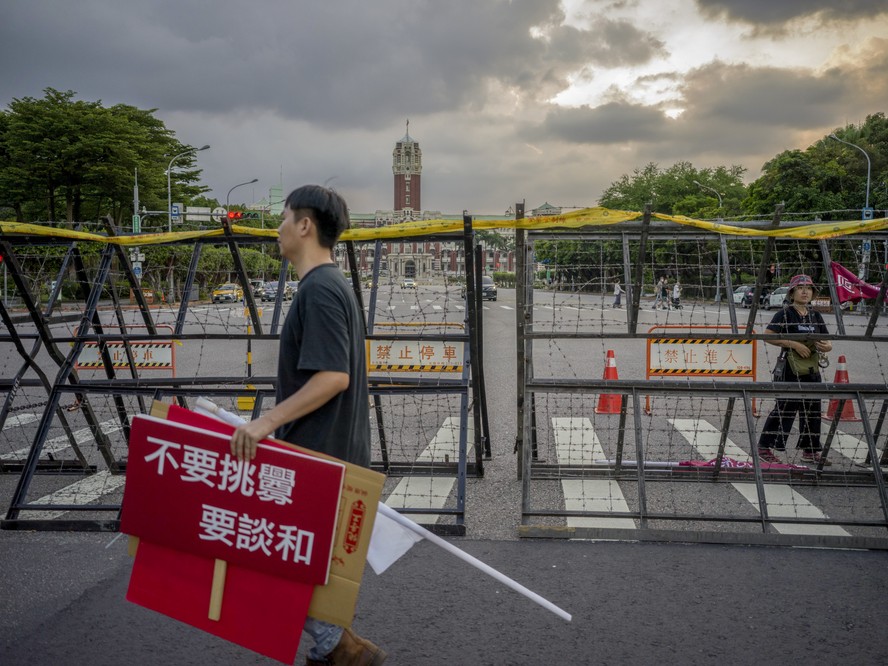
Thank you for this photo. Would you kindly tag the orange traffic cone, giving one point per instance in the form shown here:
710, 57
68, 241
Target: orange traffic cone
609, 403
848, 413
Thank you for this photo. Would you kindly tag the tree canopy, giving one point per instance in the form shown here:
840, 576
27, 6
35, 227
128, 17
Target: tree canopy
828, 179
68, 160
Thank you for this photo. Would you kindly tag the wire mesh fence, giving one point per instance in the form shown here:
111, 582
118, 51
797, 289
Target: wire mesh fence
647, 385
92, 334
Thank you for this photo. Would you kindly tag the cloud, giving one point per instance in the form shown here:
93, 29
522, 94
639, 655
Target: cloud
772, 13
614, 122
305, 91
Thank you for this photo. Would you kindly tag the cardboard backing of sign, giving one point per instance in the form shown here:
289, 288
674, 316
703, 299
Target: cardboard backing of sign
334, 602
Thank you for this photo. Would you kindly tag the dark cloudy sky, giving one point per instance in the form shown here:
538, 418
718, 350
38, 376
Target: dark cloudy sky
543, 100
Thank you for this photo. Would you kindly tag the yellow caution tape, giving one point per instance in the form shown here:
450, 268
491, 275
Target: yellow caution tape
587, 217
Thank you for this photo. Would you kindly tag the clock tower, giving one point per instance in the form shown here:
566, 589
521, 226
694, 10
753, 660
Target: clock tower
407, 168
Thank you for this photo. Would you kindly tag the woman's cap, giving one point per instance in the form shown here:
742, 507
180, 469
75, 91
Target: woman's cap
800, 281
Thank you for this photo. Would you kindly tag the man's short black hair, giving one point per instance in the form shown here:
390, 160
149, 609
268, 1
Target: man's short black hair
327, 208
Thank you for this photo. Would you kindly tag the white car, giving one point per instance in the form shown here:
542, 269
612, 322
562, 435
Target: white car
740, 294
409, 283
777, 298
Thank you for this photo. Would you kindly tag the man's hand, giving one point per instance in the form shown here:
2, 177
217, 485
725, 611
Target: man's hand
245, 439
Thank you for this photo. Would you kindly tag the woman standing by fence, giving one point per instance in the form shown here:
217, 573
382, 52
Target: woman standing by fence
799, 362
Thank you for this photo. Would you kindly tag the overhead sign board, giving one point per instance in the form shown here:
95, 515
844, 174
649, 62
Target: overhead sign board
198, 213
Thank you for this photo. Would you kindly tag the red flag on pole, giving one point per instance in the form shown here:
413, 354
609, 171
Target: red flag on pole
849, 287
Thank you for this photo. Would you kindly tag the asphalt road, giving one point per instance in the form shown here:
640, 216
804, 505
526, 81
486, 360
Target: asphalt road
63, 603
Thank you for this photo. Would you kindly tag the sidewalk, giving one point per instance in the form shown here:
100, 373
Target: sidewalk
62, 602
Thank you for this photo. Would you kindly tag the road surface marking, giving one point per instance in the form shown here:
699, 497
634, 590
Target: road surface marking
577, 444
20, 419
781, 499
851, 447
83, 492
58, 444
432, 492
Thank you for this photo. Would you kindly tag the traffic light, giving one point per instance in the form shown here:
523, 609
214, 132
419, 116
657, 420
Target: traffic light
237, 215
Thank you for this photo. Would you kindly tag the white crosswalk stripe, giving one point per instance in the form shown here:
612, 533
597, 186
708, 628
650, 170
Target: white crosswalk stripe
17, 420
83, 492
851, 447
705, 437
781, 499
784, 501
577, 444
432, 492
55, 445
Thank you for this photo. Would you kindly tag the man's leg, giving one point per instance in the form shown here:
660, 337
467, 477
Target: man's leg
340, 647
326, 637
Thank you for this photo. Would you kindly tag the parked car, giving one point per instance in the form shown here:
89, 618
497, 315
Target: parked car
227, 293
256, 285
741, 292
488, 289
777, 299
294, 287
269, 292
409, 283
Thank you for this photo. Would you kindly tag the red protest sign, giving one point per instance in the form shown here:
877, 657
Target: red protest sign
260, 612
275, 514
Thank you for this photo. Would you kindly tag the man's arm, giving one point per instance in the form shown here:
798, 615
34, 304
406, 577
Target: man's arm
317, 391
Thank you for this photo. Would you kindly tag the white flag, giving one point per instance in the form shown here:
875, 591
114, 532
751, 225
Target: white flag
389, 541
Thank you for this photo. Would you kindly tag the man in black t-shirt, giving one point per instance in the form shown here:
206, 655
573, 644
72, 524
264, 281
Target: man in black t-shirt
322, 395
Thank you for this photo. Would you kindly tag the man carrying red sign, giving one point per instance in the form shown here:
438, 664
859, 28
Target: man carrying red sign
209, 526
322, 394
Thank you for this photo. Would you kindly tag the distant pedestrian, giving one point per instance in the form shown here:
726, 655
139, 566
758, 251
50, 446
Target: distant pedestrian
768, 286
618, 291
676, 295
664, 293
658, 292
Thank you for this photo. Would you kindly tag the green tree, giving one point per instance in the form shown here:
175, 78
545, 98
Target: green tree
673, 191
71, 160
827, 179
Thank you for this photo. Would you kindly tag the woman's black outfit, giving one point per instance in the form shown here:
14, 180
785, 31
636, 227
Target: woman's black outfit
779, 422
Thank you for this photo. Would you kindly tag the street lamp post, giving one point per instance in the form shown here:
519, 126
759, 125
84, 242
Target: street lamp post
867, 213
227, 196
170, 206
170, 185
718, 270
868, 168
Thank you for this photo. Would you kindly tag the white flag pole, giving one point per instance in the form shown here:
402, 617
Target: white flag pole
208, 407
475, 562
